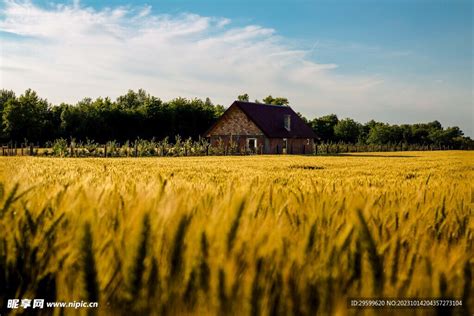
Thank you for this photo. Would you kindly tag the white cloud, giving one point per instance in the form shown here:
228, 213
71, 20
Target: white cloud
67, 52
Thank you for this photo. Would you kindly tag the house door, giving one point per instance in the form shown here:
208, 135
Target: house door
285, 146
252, 144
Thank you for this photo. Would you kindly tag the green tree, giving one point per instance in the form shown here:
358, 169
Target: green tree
379, 134
435, 125
133, 100
302, 117
243, 97
140, 115
5, 96
276, 101
407, 135
420, 133
445, 137
347, 130
324, 127
25, 117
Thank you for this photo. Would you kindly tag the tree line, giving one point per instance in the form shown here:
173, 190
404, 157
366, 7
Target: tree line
139, 115
332, 129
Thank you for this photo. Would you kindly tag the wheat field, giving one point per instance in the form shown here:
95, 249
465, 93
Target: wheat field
253, 235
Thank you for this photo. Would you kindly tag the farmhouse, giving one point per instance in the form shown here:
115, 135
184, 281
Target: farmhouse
262, 128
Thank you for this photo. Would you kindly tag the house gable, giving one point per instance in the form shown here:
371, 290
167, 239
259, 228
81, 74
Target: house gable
234, 122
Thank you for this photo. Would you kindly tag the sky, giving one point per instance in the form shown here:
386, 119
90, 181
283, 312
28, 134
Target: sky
394, 61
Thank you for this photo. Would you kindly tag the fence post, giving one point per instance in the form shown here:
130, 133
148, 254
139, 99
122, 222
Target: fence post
105, 150
315, 149
136, 149
31, 149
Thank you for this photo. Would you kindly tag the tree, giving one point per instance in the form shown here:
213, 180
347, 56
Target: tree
407, 135
445, 137
133, 100
420, 133
275, 101
137, 114
25, 117
302, 117
218, 110
381, 134
5, 96
53, 128
435, 125
243, 97
347, 130
324, 127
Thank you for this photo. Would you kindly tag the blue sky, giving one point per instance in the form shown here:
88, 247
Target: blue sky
394, 61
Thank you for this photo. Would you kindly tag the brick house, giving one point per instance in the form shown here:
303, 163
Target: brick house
262, 128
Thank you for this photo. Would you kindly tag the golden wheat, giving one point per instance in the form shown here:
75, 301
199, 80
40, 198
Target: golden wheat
266, 235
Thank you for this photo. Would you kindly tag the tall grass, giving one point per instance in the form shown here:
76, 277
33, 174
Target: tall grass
237, 235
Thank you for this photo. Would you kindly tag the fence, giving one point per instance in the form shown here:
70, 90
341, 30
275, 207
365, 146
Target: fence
22, 150
144, 148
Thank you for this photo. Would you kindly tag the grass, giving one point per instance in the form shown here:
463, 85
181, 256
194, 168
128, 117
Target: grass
266, 235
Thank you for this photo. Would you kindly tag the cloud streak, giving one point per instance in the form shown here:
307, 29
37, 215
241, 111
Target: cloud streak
67, 52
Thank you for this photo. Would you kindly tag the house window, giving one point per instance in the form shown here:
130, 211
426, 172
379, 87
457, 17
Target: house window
252, 143
307, 141
285, 143
287, 122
